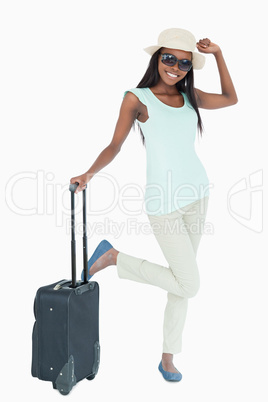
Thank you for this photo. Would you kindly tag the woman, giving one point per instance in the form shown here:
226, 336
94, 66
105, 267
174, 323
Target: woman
165, 106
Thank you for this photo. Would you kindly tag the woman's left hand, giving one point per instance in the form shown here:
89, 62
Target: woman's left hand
206, 46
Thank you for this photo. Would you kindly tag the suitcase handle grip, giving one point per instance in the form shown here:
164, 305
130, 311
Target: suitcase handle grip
72, 189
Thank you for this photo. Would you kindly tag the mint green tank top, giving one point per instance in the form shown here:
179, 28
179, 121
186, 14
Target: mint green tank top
175, 176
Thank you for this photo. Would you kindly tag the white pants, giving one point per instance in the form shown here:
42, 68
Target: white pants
178, 234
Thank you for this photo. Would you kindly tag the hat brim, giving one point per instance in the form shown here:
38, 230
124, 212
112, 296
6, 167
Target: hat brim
198, 59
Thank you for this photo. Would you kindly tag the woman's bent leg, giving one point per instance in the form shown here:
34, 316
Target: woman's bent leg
181, 277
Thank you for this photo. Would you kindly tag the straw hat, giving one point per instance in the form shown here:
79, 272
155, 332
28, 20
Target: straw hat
181, 39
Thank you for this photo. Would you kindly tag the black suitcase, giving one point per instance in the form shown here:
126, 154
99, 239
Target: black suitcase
65, 340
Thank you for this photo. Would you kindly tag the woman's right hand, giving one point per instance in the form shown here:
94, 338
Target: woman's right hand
82, 180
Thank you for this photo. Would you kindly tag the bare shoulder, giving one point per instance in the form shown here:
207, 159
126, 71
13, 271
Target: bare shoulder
132, 100
132, 103
130, 107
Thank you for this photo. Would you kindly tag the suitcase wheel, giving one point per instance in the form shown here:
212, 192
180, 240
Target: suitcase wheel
91, 377
60, 390
63, 392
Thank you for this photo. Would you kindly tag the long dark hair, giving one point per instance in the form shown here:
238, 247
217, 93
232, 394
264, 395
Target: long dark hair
151, 78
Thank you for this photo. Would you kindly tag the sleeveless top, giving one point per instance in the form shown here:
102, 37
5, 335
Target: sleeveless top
175, 176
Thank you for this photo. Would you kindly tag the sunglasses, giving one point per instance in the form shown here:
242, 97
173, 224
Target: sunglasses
171, 60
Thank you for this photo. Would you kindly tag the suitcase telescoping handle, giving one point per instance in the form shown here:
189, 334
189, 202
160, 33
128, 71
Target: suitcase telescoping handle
72, 189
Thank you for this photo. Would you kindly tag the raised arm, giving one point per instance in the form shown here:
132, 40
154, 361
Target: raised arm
128, 113
228, 95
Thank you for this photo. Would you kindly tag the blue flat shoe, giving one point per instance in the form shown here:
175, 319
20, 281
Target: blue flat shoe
103, 246
169, 376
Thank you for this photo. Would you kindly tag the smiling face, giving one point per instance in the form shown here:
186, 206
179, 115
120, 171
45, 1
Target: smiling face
172, 75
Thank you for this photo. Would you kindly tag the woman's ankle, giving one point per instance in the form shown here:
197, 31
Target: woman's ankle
167, 363
167, 358
115, 252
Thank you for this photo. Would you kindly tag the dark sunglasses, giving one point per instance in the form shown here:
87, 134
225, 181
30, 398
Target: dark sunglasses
171, 60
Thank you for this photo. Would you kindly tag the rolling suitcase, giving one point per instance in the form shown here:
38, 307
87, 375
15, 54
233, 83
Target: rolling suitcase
65, 339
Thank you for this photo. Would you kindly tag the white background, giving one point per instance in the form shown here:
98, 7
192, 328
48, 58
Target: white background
64, 68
